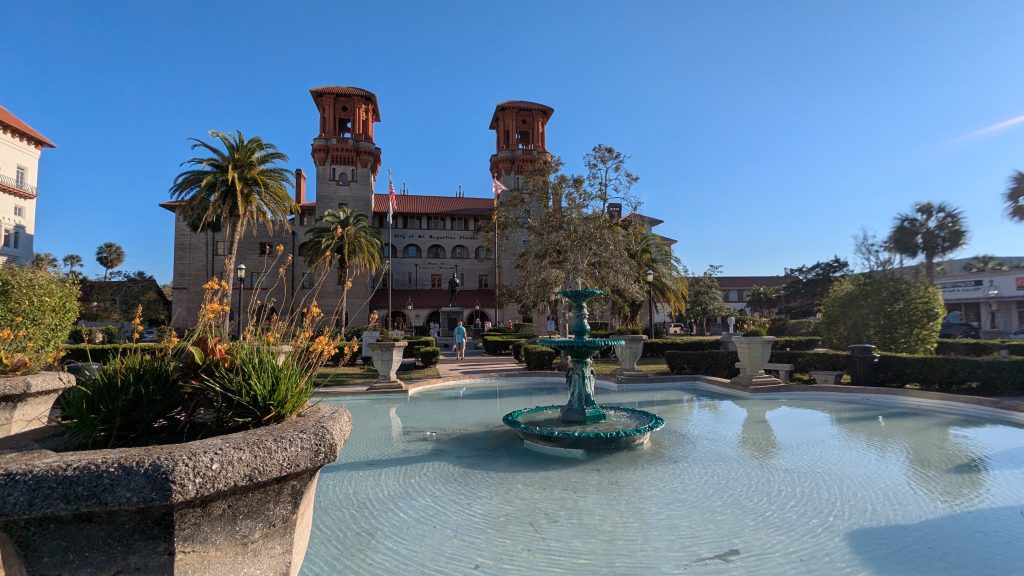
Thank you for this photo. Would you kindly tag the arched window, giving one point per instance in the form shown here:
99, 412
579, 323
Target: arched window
385, 250
435, 251
460, 252
411, 251
482, 253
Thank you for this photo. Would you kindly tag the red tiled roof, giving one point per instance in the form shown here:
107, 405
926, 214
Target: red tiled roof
431, 299
349, 91
453, 205
17, 124
733, 282
519, 105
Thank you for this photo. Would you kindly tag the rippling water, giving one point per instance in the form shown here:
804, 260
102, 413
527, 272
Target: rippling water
435, 484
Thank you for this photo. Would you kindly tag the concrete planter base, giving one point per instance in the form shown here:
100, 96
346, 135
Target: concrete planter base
754, 353
235, 504
629, 353
25, 401
387, 357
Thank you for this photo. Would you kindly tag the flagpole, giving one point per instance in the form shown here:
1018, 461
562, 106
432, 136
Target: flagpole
391, 250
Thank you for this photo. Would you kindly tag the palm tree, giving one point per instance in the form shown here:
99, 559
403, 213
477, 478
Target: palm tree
72, 261
764, 299
43, 261
1014, 197
109, 255
648, 251
932, 231
347, 239
240, 185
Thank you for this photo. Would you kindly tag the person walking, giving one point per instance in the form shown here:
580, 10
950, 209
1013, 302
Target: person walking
460, 342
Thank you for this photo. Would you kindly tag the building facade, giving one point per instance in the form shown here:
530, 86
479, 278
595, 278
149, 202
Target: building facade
20, 149
988, 294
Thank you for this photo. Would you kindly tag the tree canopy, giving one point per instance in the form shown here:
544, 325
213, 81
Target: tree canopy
931, 231
803, 295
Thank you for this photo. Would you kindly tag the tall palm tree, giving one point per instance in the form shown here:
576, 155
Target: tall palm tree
932, 231
239, 185
648, 251
72, 261
110, 255
1014, 197
347, 239
44, 261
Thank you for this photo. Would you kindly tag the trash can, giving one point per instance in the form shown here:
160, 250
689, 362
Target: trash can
861, 363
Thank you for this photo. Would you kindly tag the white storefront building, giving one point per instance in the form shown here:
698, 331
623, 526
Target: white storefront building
993, 299
20, 149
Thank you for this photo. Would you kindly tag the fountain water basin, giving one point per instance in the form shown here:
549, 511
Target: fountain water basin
582, 424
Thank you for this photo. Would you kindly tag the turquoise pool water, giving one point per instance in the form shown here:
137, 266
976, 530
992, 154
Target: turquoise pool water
435, 484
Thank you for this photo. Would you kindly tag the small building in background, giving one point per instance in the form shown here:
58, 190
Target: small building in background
20, 149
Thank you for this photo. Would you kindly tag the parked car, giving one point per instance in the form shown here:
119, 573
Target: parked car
1017, 334
149, 335
959, 330
677, 328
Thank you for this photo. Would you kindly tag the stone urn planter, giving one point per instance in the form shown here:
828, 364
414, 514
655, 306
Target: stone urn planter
239, 503
387, 357
754, 353
628, 355
280, 352
25, 401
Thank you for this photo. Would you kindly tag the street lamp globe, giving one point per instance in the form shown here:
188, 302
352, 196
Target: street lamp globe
240, 272
649, 276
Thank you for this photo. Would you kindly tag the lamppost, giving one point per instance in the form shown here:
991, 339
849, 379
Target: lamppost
408, 312
476, 308
649, 276
240, 272
993, 293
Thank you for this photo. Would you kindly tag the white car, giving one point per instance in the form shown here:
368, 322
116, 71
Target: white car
677, 329
1017, 334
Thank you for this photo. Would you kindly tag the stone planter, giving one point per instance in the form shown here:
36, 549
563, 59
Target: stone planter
387, 357
628, 355
25, 401
235, 504
754, 353
281, 351
827, 377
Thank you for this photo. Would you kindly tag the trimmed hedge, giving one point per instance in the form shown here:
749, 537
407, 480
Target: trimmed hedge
659, 346
429, 356
964, 347
539, 357
797, 343
103, 352
979, 376
412, 350
498, 344
787, 327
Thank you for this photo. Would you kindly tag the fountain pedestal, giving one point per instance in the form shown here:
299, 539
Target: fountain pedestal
582, 424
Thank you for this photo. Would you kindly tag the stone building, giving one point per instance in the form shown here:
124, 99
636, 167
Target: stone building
433, 236
20, 149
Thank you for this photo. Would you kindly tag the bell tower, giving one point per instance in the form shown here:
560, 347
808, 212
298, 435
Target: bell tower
346, 158
521, 138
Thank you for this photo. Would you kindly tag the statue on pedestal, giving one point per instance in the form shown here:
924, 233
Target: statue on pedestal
453, 289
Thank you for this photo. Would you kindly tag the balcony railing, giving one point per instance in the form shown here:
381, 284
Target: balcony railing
19, 187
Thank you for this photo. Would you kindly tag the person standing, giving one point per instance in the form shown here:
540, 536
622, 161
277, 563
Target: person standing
551, 326
460, 342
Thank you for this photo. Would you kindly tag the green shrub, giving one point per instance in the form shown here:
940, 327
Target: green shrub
109, 334
755, 333
628, 330
37, 310
539, 357
797, 343
255, 389
716, 363
79, 335
658, 347
981, 376
523, 327
517, 349
429, 356
894, 313
806, 362
499, 344
412, 350
964, 347
103, 353
787, 327
134, 399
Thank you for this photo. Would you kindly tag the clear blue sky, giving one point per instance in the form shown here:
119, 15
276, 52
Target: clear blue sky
766, 134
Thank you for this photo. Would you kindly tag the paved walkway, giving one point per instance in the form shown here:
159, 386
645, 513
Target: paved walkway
476, 363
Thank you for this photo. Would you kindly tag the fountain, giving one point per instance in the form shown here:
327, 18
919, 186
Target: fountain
582, 424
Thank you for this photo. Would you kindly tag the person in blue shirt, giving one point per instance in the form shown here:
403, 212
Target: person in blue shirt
460, 342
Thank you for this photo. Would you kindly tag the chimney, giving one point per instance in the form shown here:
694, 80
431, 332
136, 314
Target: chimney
615, 211
300, 186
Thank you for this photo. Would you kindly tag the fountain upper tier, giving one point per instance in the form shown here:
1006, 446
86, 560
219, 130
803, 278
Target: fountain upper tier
580, 347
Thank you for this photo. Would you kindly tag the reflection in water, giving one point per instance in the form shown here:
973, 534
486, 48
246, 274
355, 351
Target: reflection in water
756, 435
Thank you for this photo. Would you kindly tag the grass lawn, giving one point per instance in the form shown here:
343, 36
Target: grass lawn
349, 375
651, 366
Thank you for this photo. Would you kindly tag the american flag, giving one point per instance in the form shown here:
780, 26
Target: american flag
498, 189
392, 200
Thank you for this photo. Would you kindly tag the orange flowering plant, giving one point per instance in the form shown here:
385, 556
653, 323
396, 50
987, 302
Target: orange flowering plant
208, 382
